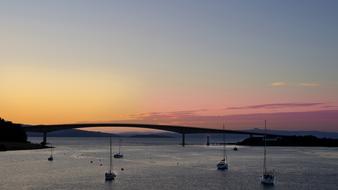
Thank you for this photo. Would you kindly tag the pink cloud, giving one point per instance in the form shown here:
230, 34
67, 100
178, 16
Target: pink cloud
324, 120
277, 106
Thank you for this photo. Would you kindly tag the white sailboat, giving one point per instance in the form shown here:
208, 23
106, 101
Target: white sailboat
119, 154
268, 177
109, 176
50, 158
223, 164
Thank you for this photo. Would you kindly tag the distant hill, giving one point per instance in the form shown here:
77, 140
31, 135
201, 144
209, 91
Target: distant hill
151, 136
81, 133
73, 133
291, 141
319, 134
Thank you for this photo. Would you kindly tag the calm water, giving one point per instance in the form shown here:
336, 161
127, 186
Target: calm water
162, 164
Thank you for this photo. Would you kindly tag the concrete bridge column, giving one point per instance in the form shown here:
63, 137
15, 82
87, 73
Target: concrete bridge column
44, 140
183, 139
208, 140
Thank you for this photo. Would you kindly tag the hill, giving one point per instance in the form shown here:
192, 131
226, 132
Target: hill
74, 133
11, 132
319, 134
291, 141
151, 136
13, 137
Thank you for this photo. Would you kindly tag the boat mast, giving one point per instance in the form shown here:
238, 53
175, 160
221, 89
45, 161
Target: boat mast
224, 153
110, 159
120, 146
264, 164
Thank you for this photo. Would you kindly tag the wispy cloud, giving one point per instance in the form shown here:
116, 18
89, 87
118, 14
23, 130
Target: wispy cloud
309, 84
325, 120
279, 84
171, 114
302, 84
277, 105
329, 106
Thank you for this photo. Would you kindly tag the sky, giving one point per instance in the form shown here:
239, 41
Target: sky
192, 62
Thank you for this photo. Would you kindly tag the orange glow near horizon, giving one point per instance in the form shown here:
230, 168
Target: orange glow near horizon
44, 96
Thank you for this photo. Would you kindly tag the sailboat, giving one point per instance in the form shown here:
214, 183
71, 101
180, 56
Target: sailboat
109, 176
50, 158
268, 177
119, 154
223, 164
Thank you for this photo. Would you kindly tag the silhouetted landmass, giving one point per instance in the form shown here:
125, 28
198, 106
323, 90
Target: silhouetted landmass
73, 133
11, 132
150, 136
291, 141
238, 137
13, 137
319, 134
8, 146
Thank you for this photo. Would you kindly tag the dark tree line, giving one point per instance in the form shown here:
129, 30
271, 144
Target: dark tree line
11, 132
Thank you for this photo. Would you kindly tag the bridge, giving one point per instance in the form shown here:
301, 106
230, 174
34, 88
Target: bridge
183, 130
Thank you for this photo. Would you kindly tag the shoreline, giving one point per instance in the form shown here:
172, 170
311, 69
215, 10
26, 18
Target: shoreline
15, 146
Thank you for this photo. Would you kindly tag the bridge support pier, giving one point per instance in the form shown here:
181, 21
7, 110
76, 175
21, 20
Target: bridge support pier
183, 139
44, 139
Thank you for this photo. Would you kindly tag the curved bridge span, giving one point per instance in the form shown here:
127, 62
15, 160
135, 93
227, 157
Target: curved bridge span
172, 128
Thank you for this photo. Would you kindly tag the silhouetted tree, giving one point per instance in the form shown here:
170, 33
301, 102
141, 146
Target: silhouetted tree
11, 132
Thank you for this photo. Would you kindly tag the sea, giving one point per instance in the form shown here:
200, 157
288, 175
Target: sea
162, 164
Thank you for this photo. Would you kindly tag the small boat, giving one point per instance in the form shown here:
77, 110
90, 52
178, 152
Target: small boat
109, 176
50, 158
119, 154
223, 164
268, 177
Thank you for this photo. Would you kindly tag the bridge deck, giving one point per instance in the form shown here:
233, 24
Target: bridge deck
171, 128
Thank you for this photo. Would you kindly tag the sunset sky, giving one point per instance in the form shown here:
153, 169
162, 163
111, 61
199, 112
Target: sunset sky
193, 62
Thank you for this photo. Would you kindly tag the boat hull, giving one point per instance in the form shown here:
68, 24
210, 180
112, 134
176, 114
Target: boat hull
269, 180
118, 156
110, 176
222, 166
